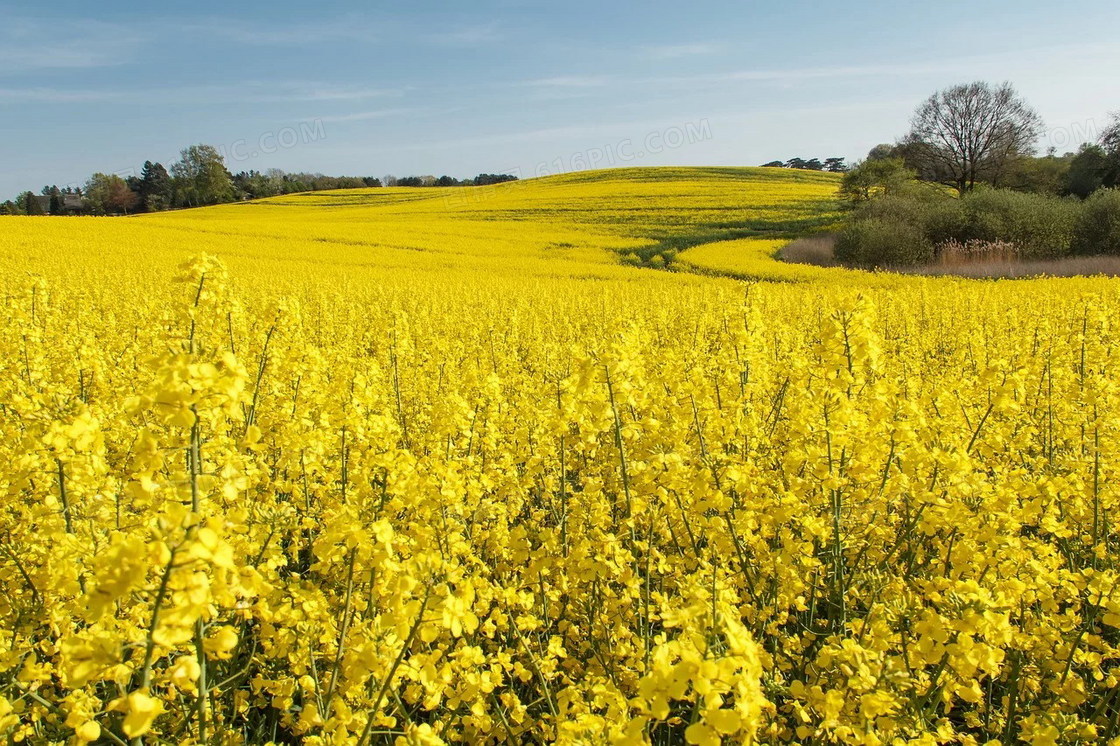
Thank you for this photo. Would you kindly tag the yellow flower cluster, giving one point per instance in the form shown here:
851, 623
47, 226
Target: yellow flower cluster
344, 484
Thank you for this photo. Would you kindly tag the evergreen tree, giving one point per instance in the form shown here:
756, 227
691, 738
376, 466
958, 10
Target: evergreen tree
153, 187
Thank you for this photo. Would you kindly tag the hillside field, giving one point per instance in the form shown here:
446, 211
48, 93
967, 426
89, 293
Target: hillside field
570, 460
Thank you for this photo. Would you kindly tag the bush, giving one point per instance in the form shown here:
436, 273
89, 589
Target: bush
946, 220
1098, 228
904, 229
878, 242
1040, 225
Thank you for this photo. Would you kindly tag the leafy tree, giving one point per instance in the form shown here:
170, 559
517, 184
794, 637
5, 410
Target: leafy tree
1048, 174
774, 164
872, 177
835, 165
971, 133
201, 177
1087, 171
490, 179
108, 194
256, 185
882, 152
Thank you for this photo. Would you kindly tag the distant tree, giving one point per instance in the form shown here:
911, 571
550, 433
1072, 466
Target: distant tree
108, 194
971, 133
447, 181
256, 185
1087, 171
389, 180
491, 179
201, 177
1110, 138
8, 207
29, 204
882, 152
1110, 143
870, 178
1048, 174
153, 187
370, 181
410, 181
812, 164
835, 165
55, 195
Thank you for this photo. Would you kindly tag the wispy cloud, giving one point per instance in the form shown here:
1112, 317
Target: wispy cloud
256, 33
365, 116
245, 92
676, 51
311, 91
466, 36
32, 44
788, 76
568, 81
57, 96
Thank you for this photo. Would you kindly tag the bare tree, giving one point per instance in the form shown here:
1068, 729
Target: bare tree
971, 133
1110, 143
1110, 138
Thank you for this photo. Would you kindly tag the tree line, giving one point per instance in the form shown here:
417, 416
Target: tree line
832, 165
200, 178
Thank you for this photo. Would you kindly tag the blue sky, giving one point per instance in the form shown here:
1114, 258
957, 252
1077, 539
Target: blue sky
518, 85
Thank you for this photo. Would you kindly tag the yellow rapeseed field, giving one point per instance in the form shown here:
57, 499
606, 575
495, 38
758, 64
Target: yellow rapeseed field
443, 466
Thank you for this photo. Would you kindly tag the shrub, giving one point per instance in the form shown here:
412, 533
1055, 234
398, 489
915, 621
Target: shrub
984, 223
1098, 227
1040, 225
878, 242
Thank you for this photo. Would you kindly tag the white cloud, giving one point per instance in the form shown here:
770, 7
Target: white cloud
676, 51
254, 32
467, 36
363, 116
568, 81
57, 96
249, 91
31, 44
